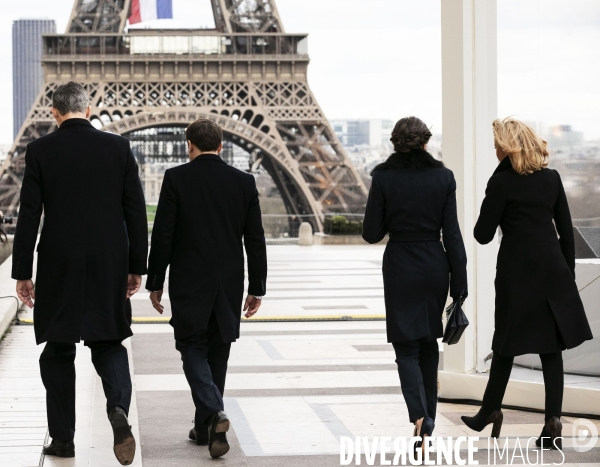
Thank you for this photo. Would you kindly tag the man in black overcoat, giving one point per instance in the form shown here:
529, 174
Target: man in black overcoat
91, 255
207, 213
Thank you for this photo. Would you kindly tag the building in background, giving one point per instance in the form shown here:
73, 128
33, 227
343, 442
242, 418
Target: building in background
363, 132
563, 136
28, 76
367, 143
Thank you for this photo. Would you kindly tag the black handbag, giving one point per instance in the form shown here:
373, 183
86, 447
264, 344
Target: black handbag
457, 321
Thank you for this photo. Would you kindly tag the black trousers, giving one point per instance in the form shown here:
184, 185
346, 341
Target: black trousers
417, 367
205, 356
552, 369
57, 367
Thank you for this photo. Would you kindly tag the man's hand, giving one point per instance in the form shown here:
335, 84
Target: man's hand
26, 292
251, 306
134, 282
155, 298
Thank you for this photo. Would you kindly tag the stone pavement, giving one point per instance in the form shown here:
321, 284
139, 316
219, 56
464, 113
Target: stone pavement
293, 388
23, 427
316, 281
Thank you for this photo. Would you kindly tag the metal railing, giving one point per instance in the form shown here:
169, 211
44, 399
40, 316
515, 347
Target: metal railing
168, 43
343, 224
286, 226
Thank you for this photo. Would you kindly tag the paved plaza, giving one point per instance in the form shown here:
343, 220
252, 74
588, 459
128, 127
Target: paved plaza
294, 387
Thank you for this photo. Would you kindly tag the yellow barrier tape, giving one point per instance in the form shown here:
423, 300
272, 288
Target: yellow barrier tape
315, 318
164, 319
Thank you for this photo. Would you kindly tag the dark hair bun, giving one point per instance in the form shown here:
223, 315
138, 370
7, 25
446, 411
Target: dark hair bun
410, 133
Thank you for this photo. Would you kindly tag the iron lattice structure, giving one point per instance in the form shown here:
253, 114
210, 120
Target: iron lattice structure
247, 75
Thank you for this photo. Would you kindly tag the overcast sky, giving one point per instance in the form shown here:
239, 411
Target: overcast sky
381, 58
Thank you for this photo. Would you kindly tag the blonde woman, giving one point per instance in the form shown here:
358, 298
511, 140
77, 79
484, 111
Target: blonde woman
538, 308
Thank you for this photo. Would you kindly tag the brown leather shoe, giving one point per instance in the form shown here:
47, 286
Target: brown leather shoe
217, 439
124, 442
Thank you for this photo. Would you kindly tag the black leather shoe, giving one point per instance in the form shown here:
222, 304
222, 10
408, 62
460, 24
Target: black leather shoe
200, 436
59, 449
124, 442
217, 439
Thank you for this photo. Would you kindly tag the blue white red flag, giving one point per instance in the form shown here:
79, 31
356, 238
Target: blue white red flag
147, 10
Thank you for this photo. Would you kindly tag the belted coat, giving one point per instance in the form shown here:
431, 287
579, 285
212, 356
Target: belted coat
413, 198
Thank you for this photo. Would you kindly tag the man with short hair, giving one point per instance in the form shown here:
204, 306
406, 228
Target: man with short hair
91, 256
206, 208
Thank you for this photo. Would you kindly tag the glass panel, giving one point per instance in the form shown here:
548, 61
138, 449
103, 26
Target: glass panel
287, 46
264, 45
110, 45
64, 46
293, 45
227, 46
241, 44
206, 45
124, 45
87, 45
145, 44
302, 48
50, 45
176, 44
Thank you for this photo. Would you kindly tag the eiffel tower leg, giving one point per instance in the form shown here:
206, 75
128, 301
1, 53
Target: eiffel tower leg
327, 172
39, 122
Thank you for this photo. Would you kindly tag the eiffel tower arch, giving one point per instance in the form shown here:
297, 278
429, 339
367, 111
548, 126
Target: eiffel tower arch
247, 75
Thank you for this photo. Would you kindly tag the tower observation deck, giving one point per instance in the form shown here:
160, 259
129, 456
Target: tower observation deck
247, 75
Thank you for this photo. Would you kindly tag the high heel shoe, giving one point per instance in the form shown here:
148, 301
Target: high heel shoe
426, 431
543, 434
551, 434
478, 422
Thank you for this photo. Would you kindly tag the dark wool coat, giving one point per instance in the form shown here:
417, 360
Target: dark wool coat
95, 231
538, 308
205, 209
413, 197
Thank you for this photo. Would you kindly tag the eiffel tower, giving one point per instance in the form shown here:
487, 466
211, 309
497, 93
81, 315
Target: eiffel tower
247, 75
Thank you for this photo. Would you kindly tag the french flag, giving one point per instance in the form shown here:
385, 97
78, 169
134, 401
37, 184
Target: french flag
146, 10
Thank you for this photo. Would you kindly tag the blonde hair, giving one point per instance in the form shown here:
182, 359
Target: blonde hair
526, 150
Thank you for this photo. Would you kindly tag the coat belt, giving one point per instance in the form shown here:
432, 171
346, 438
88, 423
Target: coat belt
415, 236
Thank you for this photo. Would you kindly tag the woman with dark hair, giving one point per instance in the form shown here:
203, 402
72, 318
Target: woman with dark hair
413, 198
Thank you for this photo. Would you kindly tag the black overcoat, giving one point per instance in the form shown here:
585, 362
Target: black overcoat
538, 308
205, 209
95, 232
413, 197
